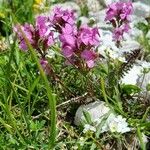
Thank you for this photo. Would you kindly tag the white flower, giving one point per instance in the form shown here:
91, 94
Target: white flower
88, 127
115, 124
118, 124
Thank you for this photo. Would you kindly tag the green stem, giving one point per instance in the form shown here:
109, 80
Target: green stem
103, 90
143, 146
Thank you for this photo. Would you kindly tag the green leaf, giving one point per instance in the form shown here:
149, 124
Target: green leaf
130, 89
101, 124
87, 117
142, 26
140, 136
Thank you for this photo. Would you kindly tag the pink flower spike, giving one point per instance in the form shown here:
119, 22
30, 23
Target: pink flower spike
119, 9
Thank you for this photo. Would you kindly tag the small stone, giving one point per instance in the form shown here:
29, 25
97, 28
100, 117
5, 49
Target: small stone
96, 110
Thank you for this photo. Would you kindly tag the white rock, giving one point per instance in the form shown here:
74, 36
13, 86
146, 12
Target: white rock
142, 81
134, 33
135, 75
96, 110
100, 19
141, 9
132, 75
129, 46
144, 1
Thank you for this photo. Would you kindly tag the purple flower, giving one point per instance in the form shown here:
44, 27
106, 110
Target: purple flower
68, 35
44, 31
28, 31
119, 15
45, 66
67, 51
88, 36
41, 25
89, 56
76, 42
39, 36
118, 32
61, 17
68, 39
119, 11
111, 12
127, 10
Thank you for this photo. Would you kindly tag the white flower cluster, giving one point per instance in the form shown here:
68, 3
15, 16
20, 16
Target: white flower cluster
113, 124
116, 124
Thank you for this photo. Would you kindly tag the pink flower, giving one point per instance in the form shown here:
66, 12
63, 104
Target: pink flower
28, 31
67, 51
41, 25
76, 42
119, 15
111, 12
39, 36
88, 36
119, 10
23, 45
127, 10
43, 30
118, 32
68, 35
45, 66
61, 17
89, 56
